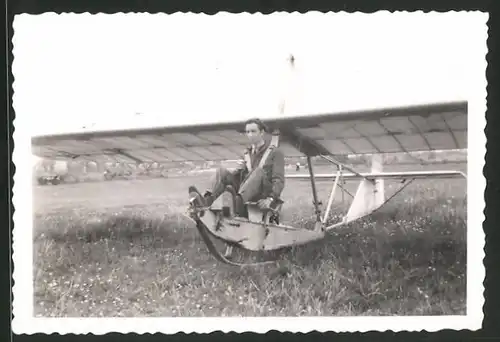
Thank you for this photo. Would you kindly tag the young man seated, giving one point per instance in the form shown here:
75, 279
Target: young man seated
263, 185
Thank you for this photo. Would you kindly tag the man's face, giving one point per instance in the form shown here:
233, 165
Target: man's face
254, 134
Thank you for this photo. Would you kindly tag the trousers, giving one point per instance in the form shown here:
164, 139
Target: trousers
251, 190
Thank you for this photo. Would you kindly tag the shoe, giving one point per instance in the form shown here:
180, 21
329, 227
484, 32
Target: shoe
209, 198
195, 197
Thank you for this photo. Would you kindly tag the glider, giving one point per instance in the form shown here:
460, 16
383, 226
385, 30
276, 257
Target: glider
429, 127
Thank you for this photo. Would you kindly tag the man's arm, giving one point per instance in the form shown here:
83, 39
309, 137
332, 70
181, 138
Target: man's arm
278, 175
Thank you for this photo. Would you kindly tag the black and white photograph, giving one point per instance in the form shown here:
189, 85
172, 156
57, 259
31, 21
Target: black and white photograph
247, 172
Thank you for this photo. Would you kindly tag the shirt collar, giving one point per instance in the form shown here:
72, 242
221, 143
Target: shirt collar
262, 147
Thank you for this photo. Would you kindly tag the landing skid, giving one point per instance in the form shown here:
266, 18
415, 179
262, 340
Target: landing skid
205, 235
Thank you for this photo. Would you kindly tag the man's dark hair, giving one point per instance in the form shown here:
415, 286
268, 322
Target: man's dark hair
259, 123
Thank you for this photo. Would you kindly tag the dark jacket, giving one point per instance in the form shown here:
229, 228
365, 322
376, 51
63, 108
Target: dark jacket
274, 169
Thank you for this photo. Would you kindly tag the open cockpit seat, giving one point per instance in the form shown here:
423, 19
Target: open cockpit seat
230, 204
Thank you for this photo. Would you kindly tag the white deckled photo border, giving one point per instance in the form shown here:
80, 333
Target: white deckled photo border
24, 321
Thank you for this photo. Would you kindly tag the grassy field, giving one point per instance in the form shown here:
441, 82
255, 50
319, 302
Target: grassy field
124, 248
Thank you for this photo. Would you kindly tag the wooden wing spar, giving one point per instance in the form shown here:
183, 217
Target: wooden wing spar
439, 126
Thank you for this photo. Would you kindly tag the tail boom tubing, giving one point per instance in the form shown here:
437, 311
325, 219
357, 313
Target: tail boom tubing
386, 175
370, 195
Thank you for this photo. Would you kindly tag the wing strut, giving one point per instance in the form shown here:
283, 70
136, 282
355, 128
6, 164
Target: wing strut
310, 147
317, 209
339, 164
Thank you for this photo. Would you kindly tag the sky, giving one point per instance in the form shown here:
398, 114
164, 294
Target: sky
78, 72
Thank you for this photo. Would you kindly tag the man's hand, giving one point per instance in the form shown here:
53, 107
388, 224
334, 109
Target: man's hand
241, 164
265, 203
